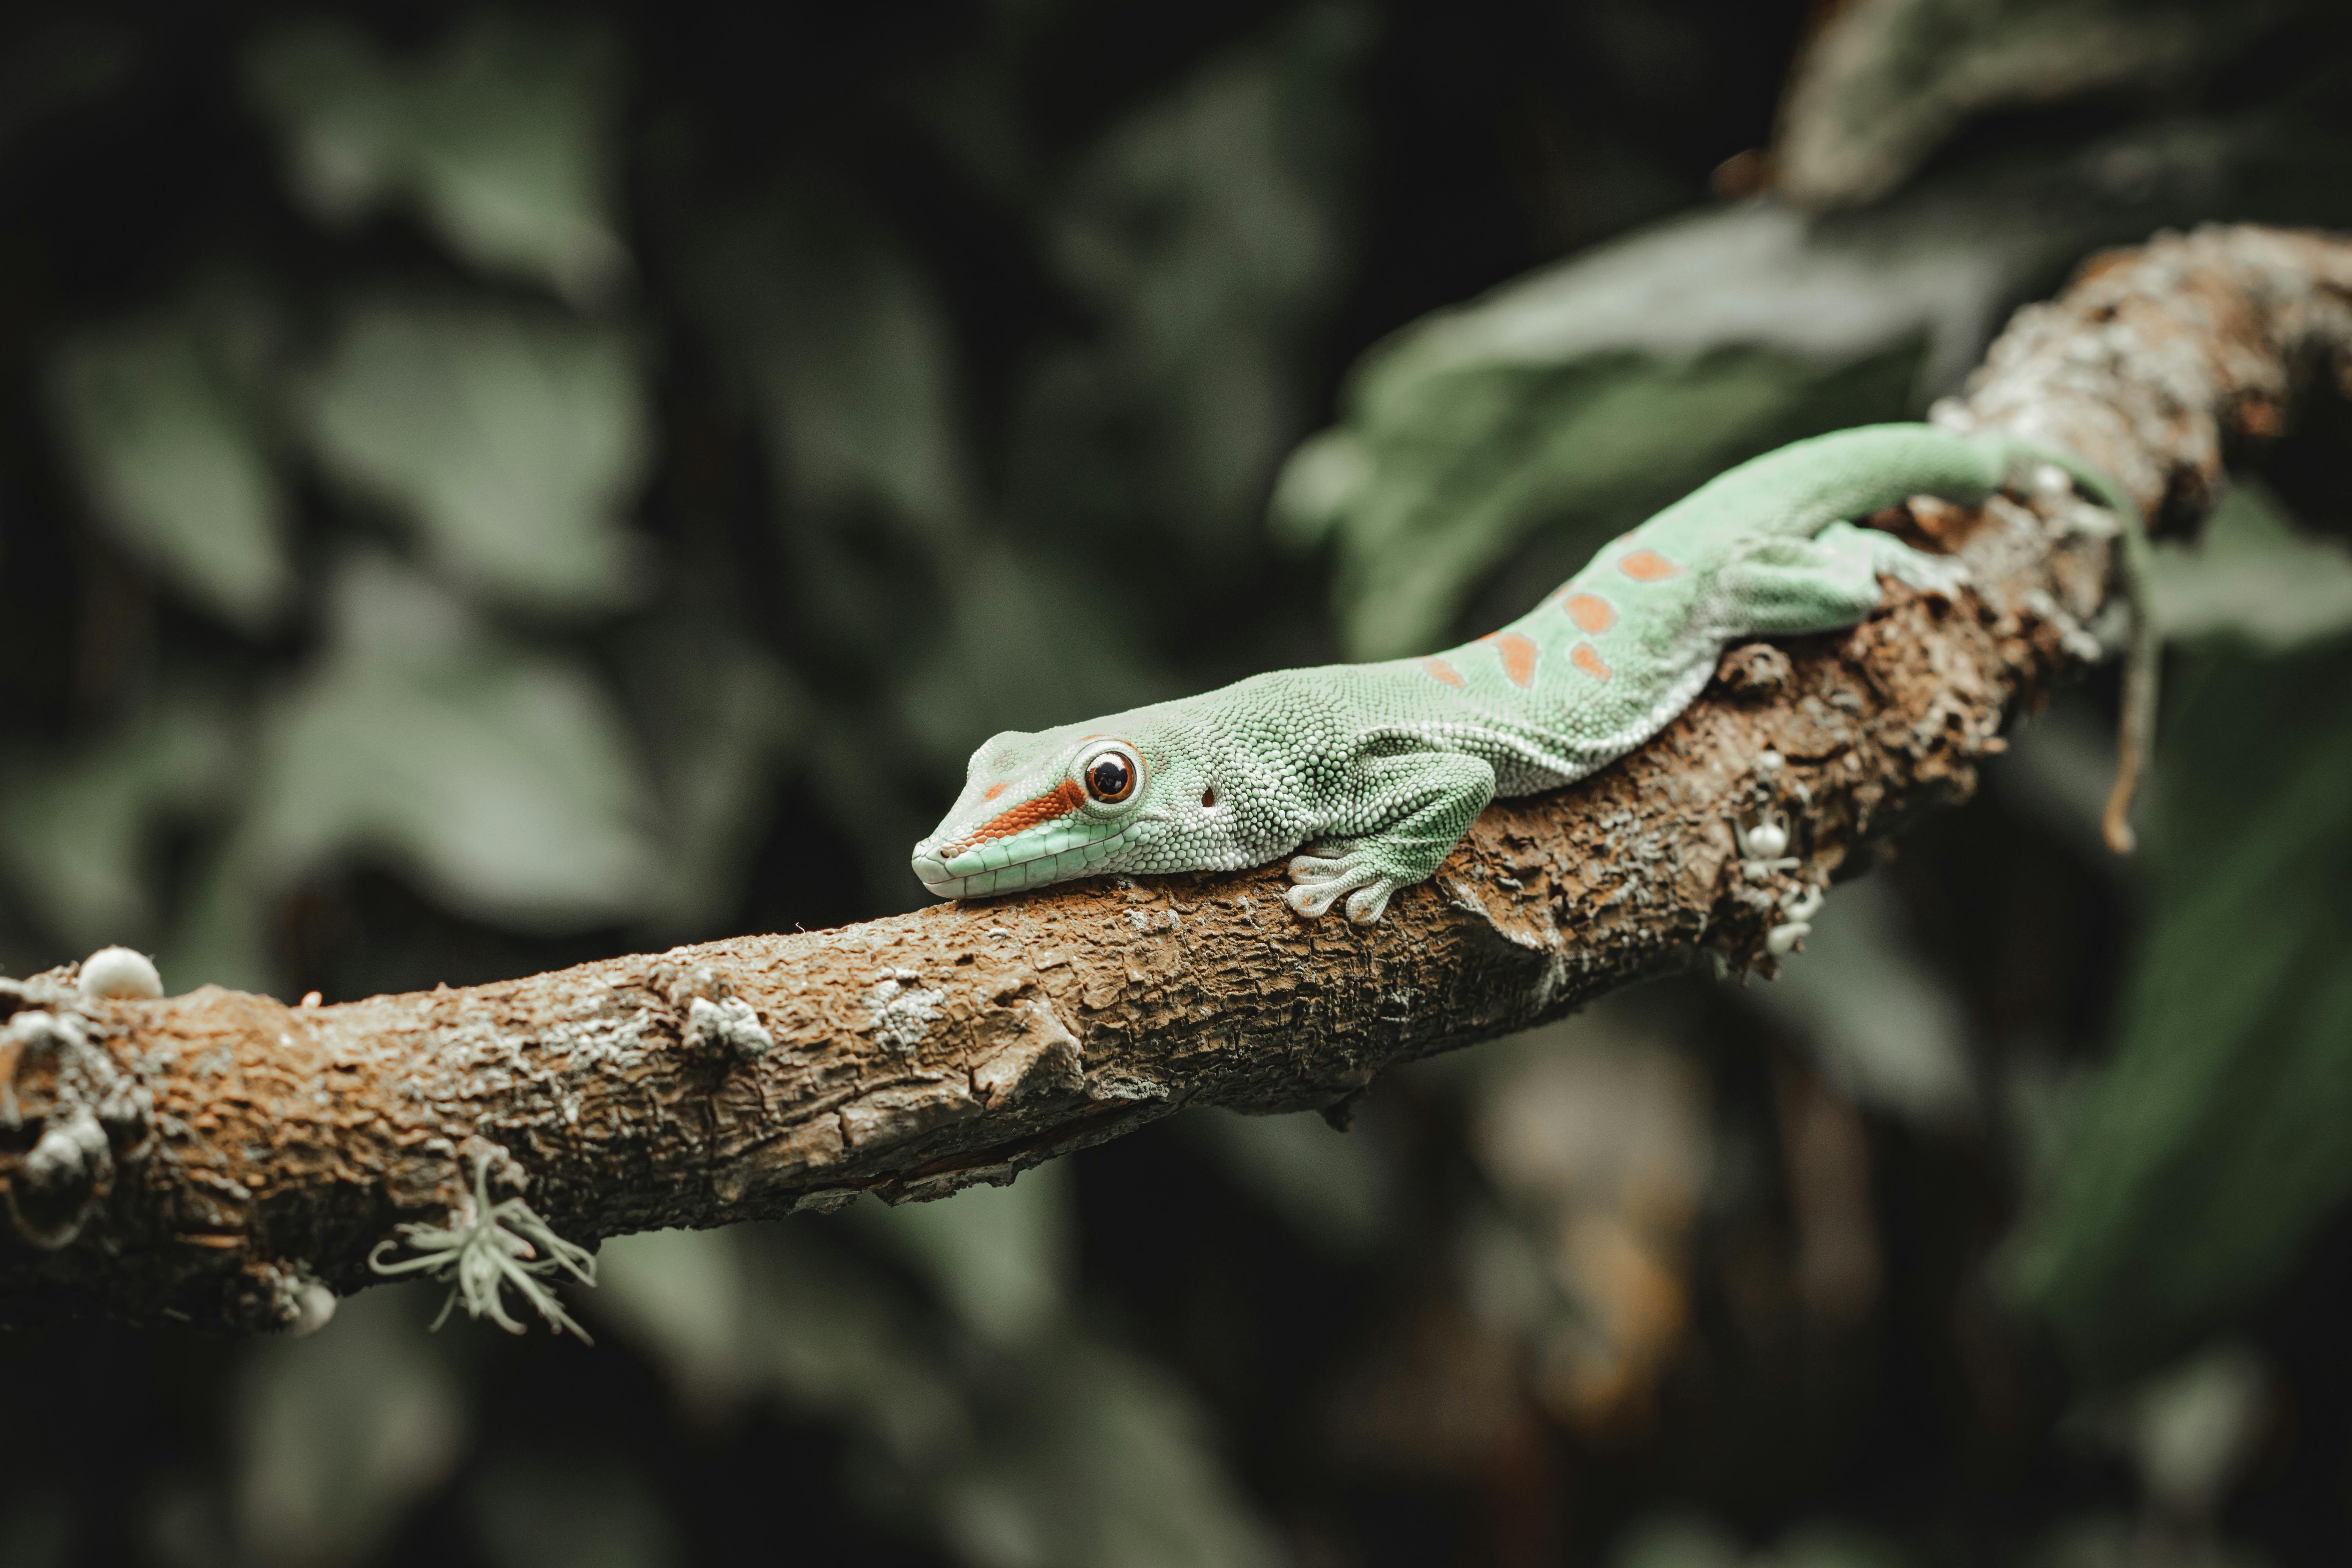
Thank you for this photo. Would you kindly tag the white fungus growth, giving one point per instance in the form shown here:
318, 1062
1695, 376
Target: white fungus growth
118, 974
54, 1161
486, 1246
72, 1153
314, 1308
1800, 907
1763, 848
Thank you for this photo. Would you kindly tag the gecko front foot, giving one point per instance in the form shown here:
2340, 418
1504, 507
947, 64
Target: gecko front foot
1423, 800
1328, 873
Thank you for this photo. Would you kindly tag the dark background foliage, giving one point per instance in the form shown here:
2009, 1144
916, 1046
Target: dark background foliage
481, 489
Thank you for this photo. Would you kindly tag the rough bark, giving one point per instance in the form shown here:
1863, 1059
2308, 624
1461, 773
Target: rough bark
234, 1148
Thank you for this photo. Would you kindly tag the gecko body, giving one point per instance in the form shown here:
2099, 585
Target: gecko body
1377, 770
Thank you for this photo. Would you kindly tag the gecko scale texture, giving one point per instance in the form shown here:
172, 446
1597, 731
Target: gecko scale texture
1377, 769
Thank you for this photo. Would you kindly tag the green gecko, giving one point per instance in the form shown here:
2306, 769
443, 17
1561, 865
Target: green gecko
1377, 770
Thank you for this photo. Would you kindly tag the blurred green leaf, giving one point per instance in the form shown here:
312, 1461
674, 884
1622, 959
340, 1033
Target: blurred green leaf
2194, 1427
1675, 1542
501, 777
1101, 1459
1059, 1452
844, 343
1580, 398
1000, 1256
1884, 1026
338, 1434
777, 1312
513, 441
2212, 1143
532, 1512
2060, 765
2254, 577
683, 1295
2110, 1541
837, 339
1885, 83
717, 714
502, 138
1206, 232
77, 830
1336, 1189
1584, 396
1829, 1545
161, 418
1003, 662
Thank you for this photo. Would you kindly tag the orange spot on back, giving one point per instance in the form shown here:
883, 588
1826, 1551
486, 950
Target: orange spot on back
993, 790
1518, 656
1647, 566
1443, 671
1066, 798
1590, 612
1591, 663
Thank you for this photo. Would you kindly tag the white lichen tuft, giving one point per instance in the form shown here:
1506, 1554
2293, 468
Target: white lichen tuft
727, 1028
486, 1246
120, 975
314, 1308
902, 1010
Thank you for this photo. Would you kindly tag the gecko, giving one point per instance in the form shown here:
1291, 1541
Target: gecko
1374, 771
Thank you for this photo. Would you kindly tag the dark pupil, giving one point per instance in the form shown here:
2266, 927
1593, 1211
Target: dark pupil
1107, 778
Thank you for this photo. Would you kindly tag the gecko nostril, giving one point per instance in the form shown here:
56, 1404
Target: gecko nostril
1209, 799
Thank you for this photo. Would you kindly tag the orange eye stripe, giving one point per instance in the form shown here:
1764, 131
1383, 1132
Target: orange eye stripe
1647, 566
1590, 612
1067, 798
993, 790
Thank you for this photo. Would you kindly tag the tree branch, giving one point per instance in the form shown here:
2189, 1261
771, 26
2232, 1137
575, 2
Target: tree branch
228, 1151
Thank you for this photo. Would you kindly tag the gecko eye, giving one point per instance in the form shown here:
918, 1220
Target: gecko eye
1110, 776
1109, 779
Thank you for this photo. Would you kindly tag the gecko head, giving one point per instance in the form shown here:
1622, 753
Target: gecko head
1079, 801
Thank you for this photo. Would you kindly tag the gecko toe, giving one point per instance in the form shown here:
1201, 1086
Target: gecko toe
1366, 905
1323, 880
1309, 903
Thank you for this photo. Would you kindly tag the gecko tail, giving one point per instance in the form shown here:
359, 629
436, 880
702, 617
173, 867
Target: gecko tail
2145, 657
2137, 731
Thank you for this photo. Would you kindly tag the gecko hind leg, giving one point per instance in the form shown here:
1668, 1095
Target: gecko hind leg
1784, 587
1424, 802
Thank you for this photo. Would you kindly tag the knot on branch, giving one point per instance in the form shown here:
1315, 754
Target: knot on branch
69, 1116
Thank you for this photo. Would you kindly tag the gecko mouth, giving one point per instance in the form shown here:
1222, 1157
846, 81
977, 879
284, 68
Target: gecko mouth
1056, 854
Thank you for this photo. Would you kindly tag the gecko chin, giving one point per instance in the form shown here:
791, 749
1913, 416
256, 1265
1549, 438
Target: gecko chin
1060, 852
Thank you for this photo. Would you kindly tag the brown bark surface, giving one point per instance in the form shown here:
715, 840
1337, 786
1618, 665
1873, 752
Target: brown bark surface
234, 1146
